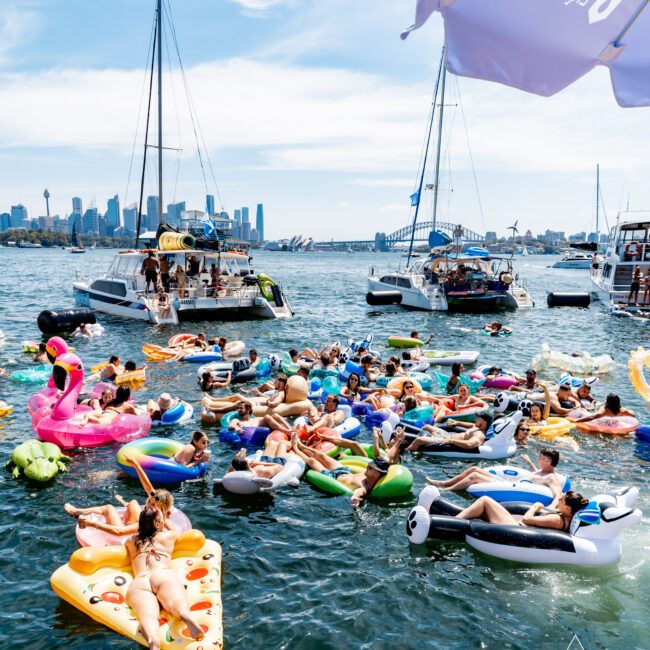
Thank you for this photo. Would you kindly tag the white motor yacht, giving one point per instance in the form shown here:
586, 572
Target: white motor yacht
239, 292
574, 259
628, 246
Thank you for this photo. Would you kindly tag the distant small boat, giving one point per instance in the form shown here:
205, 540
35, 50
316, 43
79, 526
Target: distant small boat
94, 246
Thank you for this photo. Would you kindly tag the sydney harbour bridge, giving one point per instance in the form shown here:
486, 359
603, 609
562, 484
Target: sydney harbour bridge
385, 242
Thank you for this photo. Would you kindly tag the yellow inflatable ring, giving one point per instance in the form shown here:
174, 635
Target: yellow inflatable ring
555, 427
136, 376
638, 359
265, 285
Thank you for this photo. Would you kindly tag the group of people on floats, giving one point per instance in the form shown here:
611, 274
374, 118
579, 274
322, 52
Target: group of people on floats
154, 535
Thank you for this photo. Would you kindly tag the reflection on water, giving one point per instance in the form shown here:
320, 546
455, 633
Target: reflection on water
302, 570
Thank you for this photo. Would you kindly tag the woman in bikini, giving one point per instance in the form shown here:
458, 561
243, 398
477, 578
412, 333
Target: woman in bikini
116, 523
354, 392
454, 402
119, 405
155, 583
492, 511
194, 453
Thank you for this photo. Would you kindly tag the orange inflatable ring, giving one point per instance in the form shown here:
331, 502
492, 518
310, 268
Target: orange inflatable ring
397, 384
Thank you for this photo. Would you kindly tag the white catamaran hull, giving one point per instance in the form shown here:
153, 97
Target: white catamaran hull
431, 298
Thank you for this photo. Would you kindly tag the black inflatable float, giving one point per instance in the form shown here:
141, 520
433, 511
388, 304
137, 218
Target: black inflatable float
52, 321
377, 298
568, 299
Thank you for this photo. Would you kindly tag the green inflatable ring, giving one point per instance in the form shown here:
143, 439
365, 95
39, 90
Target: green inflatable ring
265, 285
322, 373
397, 482
288, 367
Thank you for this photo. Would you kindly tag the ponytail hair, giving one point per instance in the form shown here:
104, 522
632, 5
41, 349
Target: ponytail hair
147, 526
575, 501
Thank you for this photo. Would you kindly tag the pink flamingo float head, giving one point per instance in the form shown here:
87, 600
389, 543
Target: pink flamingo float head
54, 348
67, 364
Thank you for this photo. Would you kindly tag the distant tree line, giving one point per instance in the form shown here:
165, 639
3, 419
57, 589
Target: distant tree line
47, 238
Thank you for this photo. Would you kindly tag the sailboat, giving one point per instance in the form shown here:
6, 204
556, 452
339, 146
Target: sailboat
446, 279
77, 246
190, 294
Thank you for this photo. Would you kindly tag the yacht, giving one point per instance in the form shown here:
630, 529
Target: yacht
121, 291
574, 259
628, 246
449, 282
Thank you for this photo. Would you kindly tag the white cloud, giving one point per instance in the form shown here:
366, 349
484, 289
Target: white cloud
252, 7
16, 27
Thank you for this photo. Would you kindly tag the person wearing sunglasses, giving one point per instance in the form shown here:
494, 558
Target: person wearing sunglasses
353, 391
126, 522
196, 452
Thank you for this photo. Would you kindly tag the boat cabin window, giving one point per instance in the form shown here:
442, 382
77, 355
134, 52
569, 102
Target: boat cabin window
638, 235
107, 286
404, 282
388, 279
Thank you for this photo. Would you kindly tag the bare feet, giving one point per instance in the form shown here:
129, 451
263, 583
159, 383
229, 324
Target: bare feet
430, 481
71, 510
196, 631
355, 501
121, 501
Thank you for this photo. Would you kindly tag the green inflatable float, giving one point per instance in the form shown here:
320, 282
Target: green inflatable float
38, 461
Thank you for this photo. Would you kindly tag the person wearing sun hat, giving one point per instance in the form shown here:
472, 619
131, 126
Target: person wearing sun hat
157, 409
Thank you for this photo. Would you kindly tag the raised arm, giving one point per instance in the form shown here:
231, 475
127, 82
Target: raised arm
144, 479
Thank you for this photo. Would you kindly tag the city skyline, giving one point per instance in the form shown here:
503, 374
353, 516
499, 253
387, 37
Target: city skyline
347, 102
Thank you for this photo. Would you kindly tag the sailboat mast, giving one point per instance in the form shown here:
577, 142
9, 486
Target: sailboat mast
437, 173
597, 201
426, 153
160, 149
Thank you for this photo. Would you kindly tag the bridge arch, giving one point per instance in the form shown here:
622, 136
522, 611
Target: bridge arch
423, 229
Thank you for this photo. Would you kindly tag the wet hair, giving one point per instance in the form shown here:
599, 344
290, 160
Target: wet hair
335, 399
390, 369
406, 355
122, 394
414, 334
293, 353
197, 435
455, 368
113, 359
240, 464
129, 366
147, 529
552, 454
575, 501
613, 403
410, 403
42, 347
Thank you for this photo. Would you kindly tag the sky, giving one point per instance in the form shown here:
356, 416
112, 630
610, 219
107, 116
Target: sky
314, 108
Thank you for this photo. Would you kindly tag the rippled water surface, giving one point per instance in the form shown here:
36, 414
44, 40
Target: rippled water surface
302, 570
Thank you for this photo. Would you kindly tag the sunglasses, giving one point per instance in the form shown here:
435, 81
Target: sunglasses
524, 430
154, 496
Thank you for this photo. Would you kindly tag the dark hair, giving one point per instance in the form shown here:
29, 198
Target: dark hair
455, 368
485, 415
304, 370
42, 347
325, 359
282, 378
113, 359
197, 435
406, 355
410, 403
249, 408
293, 352
493, 370
366, 358
552, 454
354, 374
150, 254
222, 338
252, 351
335, 399
122, 394
240, 464
414, 334
147, 526
613, 403
390, 369
129, 366
575, 501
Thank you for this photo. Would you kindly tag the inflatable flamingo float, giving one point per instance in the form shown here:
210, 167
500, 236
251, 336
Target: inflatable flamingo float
40, 404
63, 425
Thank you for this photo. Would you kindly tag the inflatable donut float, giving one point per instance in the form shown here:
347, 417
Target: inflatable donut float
639, 359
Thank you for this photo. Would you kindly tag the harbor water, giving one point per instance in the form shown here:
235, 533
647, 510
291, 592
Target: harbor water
301, 569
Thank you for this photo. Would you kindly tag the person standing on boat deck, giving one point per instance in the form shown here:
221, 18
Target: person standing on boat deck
595, 261
181, 278
635, 286
194, 265
646, 288
458, 238
164, 272
149, 269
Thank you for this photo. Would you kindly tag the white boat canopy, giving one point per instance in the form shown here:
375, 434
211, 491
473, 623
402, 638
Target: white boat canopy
543, 46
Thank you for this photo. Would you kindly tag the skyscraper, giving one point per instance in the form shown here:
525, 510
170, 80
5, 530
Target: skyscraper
209, 204
77, 205
259, 222
74, 221
152, 213
246, 230
254, 235
244, 215
112, 214
174, 211
236, 227
90, 222
5, 221
130, 218
19, 216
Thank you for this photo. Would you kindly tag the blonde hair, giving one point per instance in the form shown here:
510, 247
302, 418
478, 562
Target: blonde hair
163, 500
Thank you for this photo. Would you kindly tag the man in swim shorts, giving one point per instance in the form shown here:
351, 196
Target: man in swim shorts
330, 416
472, 438
149, 269
270, 464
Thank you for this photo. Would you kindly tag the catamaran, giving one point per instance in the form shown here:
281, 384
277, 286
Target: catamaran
447, 279
208, 275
